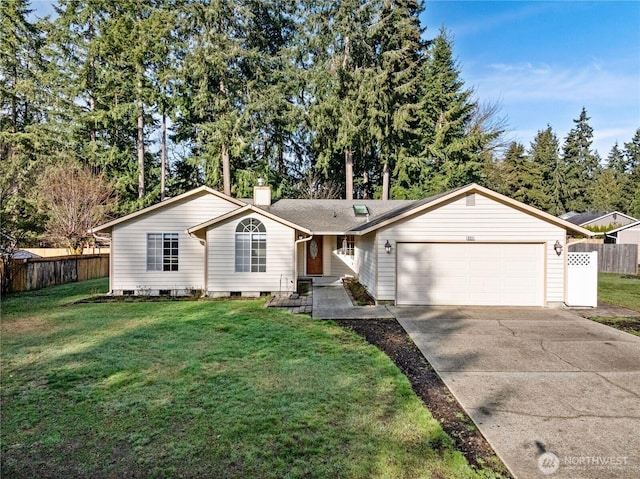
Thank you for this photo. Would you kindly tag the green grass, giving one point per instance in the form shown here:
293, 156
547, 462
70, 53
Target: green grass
620, 291
203, 389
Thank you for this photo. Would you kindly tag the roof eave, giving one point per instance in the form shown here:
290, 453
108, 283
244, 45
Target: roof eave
207, 224
107, 227
475, 188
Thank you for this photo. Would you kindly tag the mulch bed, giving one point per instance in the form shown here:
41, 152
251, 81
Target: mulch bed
391, 338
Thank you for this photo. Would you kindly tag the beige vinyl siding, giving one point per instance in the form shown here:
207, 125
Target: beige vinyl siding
365, 261
487, 221
222, 277
630, 236
130, 255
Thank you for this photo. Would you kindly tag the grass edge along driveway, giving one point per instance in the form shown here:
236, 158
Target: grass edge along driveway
209, 388
620, 290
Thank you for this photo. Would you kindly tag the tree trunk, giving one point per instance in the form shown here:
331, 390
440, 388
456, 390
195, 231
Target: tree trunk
385, 181
140, 146
348, 173
365, 186
226, 170
281, 168
226, 167
163, 156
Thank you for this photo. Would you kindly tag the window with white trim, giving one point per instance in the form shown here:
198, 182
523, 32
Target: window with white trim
345, 244
251, 246
162, 251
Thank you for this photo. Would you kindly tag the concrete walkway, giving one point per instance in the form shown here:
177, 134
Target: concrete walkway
331, 301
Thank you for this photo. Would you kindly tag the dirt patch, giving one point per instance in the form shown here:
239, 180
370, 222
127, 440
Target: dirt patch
357, 293
628, 325
391, 338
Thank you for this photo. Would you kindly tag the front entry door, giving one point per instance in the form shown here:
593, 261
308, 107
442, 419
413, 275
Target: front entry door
314, 255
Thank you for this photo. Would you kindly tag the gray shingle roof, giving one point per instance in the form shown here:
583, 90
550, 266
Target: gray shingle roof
333, 216
582, 218
400, 210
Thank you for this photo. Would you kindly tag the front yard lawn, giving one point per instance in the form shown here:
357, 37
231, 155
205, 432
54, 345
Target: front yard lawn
620, 290
624, 291
203, 389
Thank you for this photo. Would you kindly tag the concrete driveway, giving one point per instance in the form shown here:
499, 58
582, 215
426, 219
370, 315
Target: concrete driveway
556, 395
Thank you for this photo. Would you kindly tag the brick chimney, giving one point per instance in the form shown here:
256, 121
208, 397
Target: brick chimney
261, 194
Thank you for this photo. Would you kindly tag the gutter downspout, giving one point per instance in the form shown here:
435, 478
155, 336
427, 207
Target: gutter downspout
295, 259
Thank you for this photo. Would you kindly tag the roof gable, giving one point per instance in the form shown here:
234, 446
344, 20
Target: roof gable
198, 230
163, 204
582, 219
443, 198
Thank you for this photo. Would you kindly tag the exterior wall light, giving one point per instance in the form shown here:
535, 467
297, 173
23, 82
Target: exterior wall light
387, 247
558, 248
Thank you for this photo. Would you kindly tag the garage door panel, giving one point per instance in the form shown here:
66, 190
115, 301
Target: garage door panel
470, 274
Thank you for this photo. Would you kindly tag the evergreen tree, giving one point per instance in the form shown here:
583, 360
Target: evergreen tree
581, 166
522, 177
632, 155
393, 102
619, 191
102, 50
456, 133
343, 82
545, 152
212, 103
23, 110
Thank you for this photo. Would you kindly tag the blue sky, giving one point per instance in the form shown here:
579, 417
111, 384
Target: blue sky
543, 61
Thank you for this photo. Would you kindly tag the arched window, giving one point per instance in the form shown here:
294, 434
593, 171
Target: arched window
251, 246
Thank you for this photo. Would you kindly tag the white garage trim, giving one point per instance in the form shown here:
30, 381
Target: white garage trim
471, 273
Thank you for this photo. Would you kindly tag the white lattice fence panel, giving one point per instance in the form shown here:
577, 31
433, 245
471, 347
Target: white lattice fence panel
582, 279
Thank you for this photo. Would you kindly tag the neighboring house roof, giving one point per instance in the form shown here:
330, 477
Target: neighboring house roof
108, 226
437, 200
24, 254
331, 216
582, 219
635, 224
197, 230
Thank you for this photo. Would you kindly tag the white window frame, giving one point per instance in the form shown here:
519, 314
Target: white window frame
163, 250
251, 246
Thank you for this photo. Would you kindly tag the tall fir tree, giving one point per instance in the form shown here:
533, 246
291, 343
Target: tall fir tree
580, 164
545, 152
632, 154
456, 135
212, 114
618, 191
522, 177
24, 103
393, 102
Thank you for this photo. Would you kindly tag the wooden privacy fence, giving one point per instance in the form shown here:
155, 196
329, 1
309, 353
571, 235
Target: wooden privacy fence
36, 273
612, 258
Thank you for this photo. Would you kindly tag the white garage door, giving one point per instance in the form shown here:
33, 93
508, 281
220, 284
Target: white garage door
500, 274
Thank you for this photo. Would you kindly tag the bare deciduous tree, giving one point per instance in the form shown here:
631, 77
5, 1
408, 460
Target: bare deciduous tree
313, 187
75, 200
